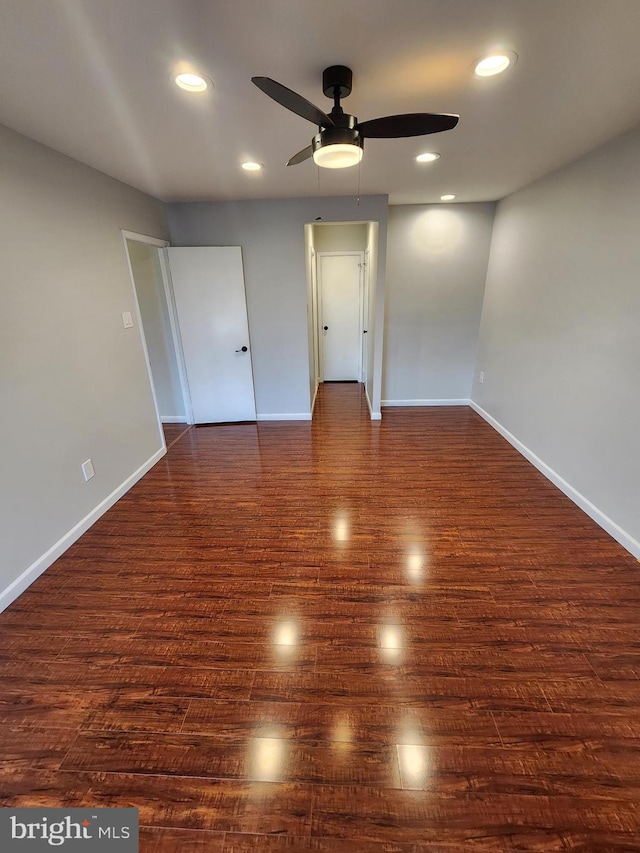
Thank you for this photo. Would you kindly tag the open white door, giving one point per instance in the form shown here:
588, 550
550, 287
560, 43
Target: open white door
208, 286
340, 290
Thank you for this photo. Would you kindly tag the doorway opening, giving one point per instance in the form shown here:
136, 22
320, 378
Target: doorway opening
341, 303
146, 257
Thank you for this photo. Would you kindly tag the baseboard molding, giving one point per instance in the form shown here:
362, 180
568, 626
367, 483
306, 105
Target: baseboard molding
173, 419
436, 402
18, 586
315, 397
375, 416
289, 416
618, 533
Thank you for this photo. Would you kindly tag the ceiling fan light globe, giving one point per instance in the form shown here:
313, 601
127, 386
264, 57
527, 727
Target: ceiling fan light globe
340, 155
337, 147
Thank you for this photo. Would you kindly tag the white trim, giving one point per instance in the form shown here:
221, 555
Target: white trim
315, 397
142, 238
142, 335
339, 222
625, 539
18, 586
435, 402
173, 419
289, 416
375, 416
167, 283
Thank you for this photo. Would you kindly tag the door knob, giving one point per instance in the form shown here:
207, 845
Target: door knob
325, 328
242, 349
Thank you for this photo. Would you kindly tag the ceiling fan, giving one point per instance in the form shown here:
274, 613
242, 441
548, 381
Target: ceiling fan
340, 138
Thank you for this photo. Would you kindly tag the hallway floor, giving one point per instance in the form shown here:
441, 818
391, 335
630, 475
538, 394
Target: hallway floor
335, 636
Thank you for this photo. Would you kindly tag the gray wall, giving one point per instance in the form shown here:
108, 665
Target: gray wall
147, 274
271, 233
73, 381
436, 272
560, 340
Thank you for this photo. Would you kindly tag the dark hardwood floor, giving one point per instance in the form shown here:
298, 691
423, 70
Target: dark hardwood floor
337, 636
172, 432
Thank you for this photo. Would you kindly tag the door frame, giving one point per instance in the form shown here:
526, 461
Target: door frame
318, 307
161, 245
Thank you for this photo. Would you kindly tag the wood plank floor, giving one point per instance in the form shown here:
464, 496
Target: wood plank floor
173, 432
337, 636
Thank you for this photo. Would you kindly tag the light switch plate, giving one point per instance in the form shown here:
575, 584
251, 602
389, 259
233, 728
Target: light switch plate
127, 320
87, 469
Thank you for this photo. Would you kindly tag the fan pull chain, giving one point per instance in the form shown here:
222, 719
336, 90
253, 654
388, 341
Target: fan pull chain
358, 196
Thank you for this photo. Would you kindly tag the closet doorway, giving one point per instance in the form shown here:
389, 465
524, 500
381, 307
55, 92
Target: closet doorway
146, 257
341, 261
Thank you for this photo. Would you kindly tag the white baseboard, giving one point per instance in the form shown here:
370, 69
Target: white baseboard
289, 416
436, 402
18, 586
625, 539
375, 416
173, 419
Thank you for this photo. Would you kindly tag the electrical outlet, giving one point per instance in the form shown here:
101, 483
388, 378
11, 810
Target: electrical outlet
127, 320
482, 377
87, 470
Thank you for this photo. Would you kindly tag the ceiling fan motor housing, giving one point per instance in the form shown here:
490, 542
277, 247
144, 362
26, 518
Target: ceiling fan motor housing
337, 76
337, 136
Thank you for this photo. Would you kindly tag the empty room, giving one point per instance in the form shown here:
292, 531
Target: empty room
319, 356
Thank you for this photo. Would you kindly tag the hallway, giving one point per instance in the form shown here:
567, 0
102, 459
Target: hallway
335, 636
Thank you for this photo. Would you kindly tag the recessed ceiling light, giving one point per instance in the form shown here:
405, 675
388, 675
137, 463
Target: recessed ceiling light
448, 197
191, 82
251, 166
496, 63
427, 157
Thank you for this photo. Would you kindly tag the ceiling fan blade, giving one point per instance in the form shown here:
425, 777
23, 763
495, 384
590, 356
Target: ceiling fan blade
409, 124
292, 101
301, 156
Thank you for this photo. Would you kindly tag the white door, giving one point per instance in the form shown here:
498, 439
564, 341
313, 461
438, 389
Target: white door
208, 286
339, 280
366, 320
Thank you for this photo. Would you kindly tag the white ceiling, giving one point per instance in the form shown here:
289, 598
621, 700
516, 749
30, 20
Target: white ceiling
92, 78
